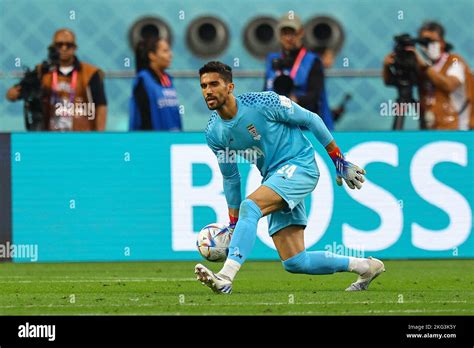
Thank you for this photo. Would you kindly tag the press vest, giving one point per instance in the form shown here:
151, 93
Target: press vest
164, 106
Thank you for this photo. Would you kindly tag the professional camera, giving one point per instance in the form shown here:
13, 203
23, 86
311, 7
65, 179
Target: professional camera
283, 84
404, 71
281, 63
31, 91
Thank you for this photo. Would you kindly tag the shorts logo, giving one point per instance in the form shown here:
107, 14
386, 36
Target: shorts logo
253, 132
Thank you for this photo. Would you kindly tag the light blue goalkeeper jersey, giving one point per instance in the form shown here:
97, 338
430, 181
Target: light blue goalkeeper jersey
265, 132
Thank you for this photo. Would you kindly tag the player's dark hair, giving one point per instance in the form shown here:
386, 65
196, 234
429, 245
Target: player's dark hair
222, 69
432, 26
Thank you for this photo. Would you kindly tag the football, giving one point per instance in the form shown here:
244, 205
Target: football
213, 242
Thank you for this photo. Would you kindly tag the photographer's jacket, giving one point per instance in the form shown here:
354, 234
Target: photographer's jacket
308, 78
444, 110
71, 96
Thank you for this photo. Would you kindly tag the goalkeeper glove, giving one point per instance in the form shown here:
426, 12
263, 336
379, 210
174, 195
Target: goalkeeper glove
352, 174
232, 222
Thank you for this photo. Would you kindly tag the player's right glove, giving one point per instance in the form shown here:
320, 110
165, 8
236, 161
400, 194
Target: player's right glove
352, 174
232, 223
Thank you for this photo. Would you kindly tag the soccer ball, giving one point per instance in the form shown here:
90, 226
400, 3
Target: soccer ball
213, 242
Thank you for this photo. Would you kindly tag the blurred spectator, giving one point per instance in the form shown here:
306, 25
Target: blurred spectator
444, 81
327, 56
154, 104
296, 72
72, 92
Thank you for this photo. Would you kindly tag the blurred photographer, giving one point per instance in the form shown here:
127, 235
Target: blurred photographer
296, 72
443, 79
62, 93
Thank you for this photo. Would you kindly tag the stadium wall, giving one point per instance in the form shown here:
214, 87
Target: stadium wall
144, 196
102, 27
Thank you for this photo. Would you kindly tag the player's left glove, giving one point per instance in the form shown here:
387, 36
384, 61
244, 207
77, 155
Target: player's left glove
352, 174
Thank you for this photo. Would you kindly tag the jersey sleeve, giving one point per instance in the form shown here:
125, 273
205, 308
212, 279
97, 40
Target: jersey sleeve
283, 109
230, 174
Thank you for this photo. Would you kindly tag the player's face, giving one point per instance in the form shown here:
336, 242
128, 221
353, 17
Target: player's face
215, 90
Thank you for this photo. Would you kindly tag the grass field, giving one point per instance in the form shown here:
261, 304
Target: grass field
261, 288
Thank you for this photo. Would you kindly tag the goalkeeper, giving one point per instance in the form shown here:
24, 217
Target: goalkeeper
269, 125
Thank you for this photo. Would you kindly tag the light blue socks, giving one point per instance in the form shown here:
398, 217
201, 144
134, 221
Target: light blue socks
308, 262
316, 262
245, 231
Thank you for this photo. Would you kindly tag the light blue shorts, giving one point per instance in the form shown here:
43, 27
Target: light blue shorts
293, 183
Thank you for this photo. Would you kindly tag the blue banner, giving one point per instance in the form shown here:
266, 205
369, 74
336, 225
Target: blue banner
144, 196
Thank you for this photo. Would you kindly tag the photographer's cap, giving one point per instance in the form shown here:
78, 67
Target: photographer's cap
289, 20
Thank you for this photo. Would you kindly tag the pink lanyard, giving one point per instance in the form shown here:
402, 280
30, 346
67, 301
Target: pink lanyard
73, 85
165, 81
297, 63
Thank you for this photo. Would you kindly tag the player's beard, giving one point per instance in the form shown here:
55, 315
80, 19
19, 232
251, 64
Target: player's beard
217, 106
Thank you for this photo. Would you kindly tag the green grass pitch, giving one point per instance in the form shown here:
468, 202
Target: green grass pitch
426, 287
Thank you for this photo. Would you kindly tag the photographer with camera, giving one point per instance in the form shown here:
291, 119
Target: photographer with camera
62, 93
296, 72
443, 79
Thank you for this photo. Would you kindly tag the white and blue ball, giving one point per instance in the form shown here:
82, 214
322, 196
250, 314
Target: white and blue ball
213, 242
